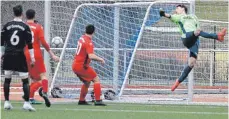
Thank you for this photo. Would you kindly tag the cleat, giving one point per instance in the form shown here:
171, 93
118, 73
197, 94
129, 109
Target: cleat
221, 35
40, 91
92, 100
99, 103
175, 85
28, 107
45, 97
7, 105
34, 102
23, 97
83, 103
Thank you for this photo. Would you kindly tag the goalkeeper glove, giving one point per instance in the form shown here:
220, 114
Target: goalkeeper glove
162, 12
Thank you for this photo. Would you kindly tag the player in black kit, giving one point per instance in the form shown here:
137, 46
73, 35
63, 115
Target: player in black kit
15, 36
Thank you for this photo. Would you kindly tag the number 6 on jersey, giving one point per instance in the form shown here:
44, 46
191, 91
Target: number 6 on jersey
16, 37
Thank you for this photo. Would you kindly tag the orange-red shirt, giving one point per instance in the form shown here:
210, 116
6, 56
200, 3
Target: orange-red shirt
38, 38
85, 46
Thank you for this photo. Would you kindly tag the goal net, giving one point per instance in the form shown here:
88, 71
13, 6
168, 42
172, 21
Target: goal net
142, 52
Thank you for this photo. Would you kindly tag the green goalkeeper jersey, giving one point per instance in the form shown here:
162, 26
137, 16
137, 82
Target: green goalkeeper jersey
186, 23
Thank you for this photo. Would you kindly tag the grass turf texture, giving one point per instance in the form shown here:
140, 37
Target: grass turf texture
117, 111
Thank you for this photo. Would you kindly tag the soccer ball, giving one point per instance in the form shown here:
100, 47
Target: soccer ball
57, 42
56, 92
109, 95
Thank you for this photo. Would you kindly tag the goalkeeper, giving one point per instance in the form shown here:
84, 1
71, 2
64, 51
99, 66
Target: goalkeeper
190, 31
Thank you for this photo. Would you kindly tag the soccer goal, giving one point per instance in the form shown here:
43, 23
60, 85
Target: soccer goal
142, 51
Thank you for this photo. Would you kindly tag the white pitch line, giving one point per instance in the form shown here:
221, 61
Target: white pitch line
144, 105
171, 105
132, 111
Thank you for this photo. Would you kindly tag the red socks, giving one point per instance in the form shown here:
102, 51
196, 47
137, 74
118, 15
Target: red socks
45, 85
97, 90
83, 92
33, 88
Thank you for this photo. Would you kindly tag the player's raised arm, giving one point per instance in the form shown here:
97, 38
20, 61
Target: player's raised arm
180, 10
163, 14
174, 18
46, 45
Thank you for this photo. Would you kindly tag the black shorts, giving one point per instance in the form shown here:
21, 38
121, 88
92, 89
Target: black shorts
192, 43
193, 51
15, 62
190, 39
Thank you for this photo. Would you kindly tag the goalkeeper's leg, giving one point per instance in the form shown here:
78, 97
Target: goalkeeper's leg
219, 36
192, 61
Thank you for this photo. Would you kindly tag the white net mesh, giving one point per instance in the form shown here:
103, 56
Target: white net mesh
211, 72
159, 57
212, 21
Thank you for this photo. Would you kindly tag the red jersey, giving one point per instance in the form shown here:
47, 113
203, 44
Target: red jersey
84, 47
38, 38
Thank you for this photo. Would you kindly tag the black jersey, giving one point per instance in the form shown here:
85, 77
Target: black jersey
14, 36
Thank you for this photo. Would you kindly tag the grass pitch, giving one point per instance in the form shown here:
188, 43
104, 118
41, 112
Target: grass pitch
116, 111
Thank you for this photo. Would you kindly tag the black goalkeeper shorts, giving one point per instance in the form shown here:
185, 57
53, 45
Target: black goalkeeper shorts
192, 43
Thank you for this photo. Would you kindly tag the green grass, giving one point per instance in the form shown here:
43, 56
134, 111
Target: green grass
117, 111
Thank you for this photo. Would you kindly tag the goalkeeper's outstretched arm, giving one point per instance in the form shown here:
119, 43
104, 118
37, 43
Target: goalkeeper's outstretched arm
163, 14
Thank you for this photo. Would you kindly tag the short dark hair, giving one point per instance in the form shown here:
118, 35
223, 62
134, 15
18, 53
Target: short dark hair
30, 14
183, 6
90, 29
17, 10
